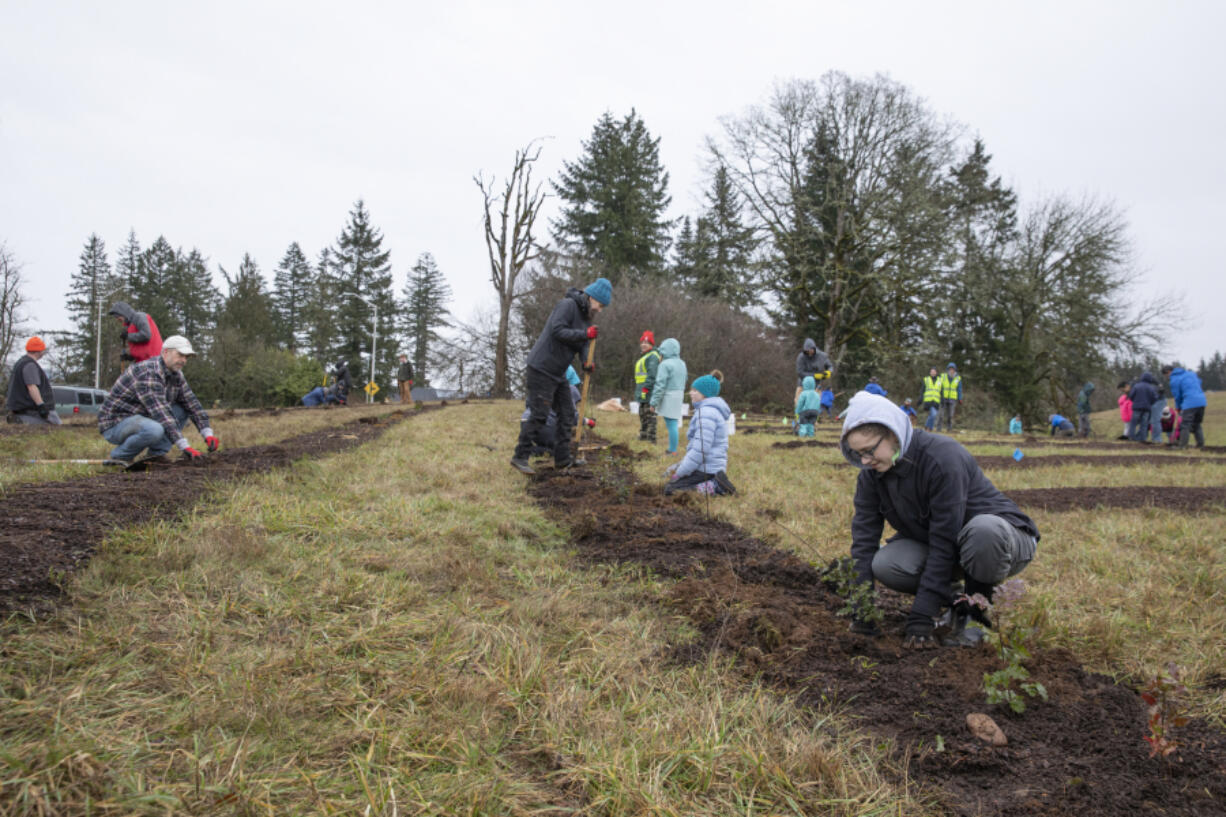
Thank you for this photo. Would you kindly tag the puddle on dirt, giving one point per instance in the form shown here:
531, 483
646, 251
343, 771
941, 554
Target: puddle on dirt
1082, 752
52, 528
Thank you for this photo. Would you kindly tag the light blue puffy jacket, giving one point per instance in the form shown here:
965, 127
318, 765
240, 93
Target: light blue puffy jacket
706, 447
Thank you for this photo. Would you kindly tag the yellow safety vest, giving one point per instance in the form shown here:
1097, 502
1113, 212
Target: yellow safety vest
640, 367
932, 389
949, 388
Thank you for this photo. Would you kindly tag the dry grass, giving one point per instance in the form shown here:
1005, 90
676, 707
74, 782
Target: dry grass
394, 630
79, 439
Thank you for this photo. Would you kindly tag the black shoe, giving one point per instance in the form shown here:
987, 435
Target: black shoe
725, 484
116, 463
562, 466
522, 465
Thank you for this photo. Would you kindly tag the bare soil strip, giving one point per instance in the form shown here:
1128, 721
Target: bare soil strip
1080, 753
51, 529
1212, 498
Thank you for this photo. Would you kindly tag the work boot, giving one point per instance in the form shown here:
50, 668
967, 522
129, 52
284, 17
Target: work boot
114, 462
522, 465
725, 484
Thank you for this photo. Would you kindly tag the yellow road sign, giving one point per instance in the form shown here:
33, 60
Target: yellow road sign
372, 388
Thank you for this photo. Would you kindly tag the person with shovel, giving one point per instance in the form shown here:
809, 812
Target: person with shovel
567, 332
149, 405
951, 522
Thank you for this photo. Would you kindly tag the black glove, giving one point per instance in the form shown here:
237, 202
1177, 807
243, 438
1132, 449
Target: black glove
868, 628
589, 367
123, 335
44, 410
126, 356
919, 632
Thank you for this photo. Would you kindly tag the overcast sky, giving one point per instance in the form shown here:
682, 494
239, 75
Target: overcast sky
240, 127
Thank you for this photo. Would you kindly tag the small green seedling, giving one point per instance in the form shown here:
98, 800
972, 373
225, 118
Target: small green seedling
1009, 686
859, 598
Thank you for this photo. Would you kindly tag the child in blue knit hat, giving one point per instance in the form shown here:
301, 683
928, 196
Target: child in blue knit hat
705, 464
808, 406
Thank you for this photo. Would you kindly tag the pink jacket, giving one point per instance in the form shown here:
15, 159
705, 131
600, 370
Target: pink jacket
1125, 408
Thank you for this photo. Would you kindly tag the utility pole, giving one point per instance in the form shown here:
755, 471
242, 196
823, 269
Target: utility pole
97, 340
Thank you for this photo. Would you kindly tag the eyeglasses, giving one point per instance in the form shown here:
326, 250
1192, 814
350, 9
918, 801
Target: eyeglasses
869, 453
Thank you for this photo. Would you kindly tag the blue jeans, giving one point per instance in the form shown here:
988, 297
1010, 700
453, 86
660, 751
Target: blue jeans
134, 434
934, 412
1140, 425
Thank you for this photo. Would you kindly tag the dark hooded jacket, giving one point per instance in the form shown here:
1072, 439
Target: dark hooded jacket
1083, 398
344, 381
564, 336
1144, 393
143, 338
930, 493
813, 365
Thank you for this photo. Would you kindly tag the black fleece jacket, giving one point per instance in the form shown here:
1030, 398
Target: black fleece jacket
928, 496
564, 335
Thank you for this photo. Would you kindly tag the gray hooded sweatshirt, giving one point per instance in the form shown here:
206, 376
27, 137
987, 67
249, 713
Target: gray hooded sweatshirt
934, 488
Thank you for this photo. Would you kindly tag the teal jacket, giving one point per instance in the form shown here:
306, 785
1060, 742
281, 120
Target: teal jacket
669, 391
809, 399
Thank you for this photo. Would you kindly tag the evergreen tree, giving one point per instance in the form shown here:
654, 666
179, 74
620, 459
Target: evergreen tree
364, 279
88, 296
247, 308
151, 283
290, 295
426, 294
687, 254
614, 199
192, 297
127, 267
724, 246
320, 311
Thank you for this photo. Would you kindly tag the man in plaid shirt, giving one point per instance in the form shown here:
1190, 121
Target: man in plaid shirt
150, 403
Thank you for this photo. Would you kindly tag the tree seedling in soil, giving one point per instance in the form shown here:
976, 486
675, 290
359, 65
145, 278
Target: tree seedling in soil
1008, 685
1164, 694
859, 598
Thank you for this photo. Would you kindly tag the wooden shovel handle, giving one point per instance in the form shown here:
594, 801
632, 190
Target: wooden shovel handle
587, 381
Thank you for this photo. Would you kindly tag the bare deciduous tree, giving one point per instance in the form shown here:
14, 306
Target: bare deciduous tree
509, 219
12, 301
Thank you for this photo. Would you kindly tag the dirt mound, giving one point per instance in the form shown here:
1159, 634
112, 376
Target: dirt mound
51, 529
1132, 496
1082, 752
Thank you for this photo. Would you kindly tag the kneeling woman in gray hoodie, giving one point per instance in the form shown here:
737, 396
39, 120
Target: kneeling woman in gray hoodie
951, 520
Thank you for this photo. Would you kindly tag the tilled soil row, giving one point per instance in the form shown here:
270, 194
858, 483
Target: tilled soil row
1082, 752
51, 529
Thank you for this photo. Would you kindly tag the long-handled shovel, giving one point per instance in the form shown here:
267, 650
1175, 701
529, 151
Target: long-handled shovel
135, 465
587, 381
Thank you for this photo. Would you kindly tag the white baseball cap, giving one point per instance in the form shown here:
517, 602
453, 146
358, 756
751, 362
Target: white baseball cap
180, 344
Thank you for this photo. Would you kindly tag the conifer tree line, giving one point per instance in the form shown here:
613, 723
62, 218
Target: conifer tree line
261, 343
847, 210
843, 209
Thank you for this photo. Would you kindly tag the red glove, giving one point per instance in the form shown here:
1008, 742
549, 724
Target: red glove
589, 422
192, 453
213, 443
589, 367
591, 333
410, 384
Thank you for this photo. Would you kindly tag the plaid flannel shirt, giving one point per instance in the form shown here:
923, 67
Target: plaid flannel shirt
149, 389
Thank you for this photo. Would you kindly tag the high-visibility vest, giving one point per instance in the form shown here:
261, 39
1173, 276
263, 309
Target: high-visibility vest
640, 367
949, 387
932, 389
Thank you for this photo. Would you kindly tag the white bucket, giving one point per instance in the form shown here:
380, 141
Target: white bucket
634, 407
731, 424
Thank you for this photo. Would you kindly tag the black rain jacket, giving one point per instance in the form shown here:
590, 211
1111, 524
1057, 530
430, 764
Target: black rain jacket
564, 336
929, 495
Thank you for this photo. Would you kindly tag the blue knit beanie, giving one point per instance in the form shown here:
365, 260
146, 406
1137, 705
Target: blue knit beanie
707, 385
601, 290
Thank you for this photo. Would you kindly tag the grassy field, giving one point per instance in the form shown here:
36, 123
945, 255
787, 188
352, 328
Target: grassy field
399, 630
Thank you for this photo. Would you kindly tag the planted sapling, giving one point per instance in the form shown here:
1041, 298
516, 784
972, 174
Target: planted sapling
1006, 686
1164, 694
859, 598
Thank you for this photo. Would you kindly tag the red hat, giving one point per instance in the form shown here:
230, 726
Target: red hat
648, 337
35, 344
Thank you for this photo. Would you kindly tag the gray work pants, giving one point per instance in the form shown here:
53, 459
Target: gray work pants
990, 550
948, 409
